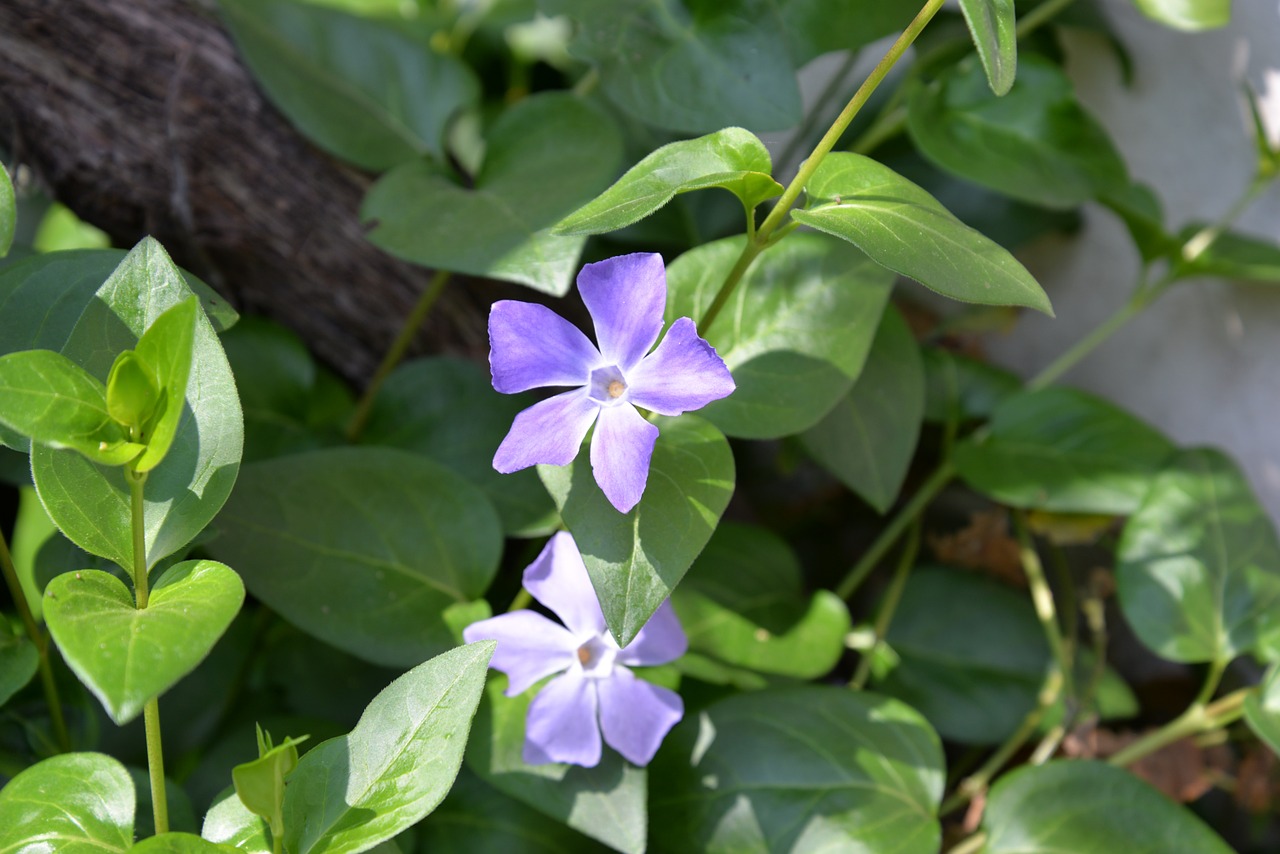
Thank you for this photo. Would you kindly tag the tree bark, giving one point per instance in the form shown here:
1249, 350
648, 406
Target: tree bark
140, 117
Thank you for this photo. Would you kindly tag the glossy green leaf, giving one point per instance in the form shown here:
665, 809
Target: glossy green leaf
18, 661
166, 348
805, 768
868, 439
183, 493
733, 159
1198, 565
125, 655
373, 550
76, 803
743, 603
636, 559
994, 29
795, 332
53, 401
1262, 709
228, 822
1236, 256
259, 783
479, 819
8, 212
972, 655
904, 228
1079, 805
357, 88
446, 409
1064, 450
961, 388
607, 802
179, 843
1188, 14
543, 158
1036, 143
353, 792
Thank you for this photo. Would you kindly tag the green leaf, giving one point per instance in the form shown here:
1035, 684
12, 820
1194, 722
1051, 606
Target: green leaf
353, 792
184, 493
904, 228
53, 401
1035, 144
743, 603
230, 823
8, 212
132, 391
166, 348
1235, 256
962, 388
543, 158
868, 439
607, 802
40, 551
994, 29
446, 409
179, 843
1262, 709
636, 559
794, 334
126, 655
733, 159
1188, 14
1198, 565
1138, 207
1063, 450
815, 27
806, 768
370, 549
972, 655
259, 784
76, 803
1079, 805
358, 89
18, 661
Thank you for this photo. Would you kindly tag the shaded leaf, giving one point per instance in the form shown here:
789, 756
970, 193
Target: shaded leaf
1262, 709
76, 803
8, 212
962, 388
18, 661
1139, 208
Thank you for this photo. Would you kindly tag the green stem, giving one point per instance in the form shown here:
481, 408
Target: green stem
749, 253
523, 599
1040, 15
1042, 596
889, 535
396, 353
969, 845
41, 643
151, 710
833, 86
1195, 720
1200, 242
1090, 342
891, 598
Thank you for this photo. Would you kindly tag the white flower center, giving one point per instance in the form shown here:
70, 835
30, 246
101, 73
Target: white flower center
596, 657
607, 385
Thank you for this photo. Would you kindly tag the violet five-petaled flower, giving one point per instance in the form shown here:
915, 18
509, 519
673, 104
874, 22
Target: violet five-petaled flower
596, 692
530, 346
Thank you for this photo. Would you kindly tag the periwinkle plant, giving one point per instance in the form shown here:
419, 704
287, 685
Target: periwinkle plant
664, 702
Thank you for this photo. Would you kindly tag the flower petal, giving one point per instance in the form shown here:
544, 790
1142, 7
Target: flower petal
529, 647
549, 432
558, 579
620, 452
685, 373
636, 715
626, 296
561, 726
662, 639
531, 346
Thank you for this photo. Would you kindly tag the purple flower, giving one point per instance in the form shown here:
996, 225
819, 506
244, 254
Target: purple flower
531, 346
596, 692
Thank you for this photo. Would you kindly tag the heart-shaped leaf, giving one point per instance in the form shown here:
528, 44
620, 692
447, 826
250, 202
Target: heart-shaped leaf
874, 208
743, 602
607, 802
636, 559
994, 29
126, 655
1063, 450
393, 547
1077, 805
732, 158
351, 793
184, 493
804, 768
357, 88
1189, 15
1198, 570
794, 334
972, 655
18, 661
8, 212
76, 803
1036, 143
1262, 709
543, 158
868, 439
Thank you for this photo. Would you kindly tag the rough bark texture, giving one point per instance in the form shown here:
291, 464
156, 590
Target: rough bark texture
139, 116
